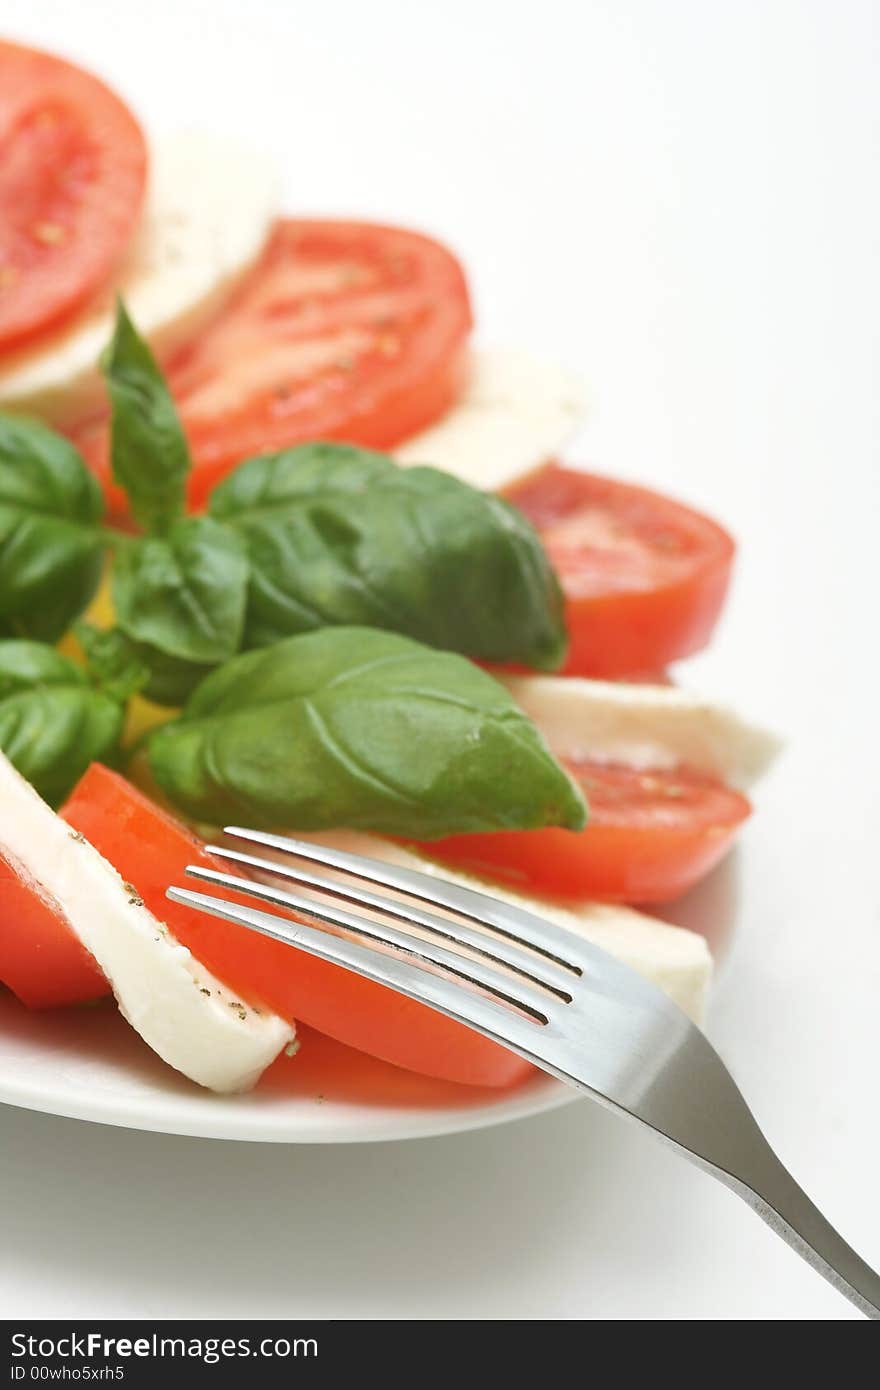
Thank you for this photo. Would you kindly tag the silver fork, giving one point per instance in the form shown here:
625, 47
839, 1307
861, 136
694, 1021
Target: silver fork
549, 995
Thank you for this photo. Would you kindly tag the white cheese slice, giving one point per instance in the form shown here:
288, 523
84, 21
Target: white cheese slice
208, 211
185, 1015
644, 726
515, 414
676, 960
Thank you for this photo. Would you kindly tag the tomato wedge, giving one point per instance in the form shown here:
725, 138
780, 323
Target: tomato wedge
644, 577
72, 172
343, 330
41, 960
151, 849
651, 836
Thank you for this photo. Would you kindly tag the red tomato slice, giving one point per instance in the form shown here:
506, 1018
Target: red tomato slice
72, 170
151, 849
651, 836
342, 331
644, 577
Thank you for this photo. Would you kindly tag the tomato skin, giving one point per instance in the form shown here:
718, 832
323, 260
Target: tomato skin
343, 330
646, 580
151, 850
651, 836
73, 166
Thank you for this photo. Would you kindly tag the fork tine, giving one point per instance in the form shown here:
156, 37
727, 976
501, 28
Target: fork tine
489, 948
488, 1016
521, 996
516, 924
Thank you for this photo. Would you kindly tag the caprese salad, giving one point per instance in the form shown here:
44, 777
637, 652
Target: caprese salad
279, 547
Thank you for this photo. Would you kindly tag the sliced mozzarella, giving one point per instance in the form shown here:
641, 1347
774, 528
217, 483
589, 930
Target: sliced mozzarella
179, 1008
208, 211
516, 413
676, 960
644, 726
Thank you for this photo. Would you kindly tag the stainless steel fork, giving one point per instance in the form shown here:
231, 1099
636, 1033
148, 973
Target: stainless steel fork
549, 995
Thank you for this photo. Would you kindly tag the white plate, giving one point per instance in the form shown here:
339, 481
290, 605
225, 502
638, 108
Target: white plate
88, 1064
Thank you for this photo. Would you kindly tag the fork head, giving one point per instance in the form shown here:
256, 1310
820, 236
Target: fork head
530, 985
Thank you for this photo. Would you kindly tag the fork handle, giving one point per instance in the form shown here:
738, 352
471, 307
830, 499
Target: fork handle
783, 1204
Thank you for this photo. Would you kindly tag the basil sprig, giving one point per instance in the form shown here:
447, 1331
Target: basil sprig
365, 729
340, 536
51, 541
53, 721
356, 582
317, 536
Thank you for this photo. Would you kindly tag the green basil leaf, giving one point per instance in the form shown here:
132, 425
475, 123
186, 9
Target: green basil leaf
51, 545
354, 727
181, 598
339, 536
53, 723
112, 661
148, 449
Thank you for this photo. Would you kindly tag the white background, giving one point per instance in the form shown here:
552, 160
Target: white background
678, 199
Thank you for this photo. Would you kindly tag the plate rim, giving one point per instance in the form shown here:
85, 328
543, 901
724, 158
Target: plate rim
265, 1122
